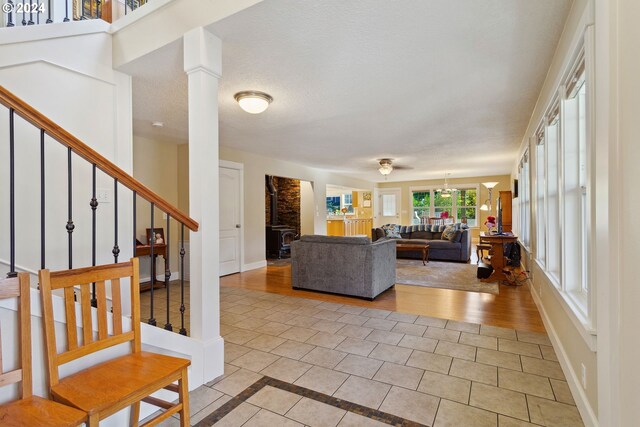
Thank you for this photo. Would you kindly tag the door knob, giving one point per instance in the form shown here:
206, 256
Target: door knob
237, 225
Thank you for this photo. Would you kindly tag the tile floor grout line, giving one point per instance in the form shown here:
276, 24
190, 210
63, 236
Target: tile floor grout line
355, 408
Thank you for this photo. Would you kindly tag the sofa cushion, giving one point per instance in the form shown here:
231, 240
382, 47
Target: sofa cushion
427, 235
392, 231
448, 233
380, 234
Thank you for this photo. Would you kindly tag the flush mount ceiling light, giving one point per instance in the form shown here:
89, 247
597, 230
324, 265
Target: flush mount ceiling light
385, 167
446, 191
253, 102
157, 124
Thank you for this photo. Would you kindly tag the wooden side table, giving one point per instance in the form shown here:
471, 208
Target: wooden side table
145, 250
497, 242
414, 247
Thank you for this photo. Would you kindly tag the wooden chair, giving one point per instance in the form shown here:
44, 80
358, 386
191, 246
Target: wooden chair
108, 387
480, 248
29, 410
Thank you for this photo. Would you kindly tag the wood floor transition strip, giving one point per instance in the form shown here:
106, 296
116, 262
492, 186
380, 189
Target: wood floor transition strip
364, 411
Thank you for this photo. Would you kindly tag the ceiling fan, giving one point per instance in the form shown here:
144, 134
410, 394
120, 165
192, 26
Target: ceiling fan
386, 167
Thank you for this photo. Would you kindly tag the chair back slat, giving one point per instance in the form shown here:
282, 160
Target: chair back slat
18, 287
116, 306
66, 278
101, 296
135, 306
84, 277
70, 309
85, 308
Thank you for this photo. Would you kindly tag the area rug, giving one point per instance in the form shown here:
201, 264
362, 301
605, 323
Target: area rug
447, 275
284, 262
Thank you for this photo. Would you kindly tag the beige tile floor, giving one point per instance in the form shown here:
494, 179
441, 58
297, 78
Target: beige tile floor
431, 371
160, 305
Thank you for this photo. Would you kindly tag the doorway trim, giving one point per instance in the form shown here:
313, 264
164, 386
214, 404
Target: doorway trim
239, 167
377, 221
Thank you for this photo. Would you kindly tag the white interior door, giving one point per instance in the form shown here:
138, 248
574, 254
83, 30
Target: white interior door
388, 206
230, 220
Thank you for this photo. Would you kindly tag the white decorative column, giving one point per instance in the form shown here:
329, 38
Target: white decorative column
202, 63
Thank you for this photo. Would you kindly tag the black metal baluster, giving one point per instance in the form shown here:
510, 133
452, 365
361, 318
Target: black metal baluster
82, 17
116, 248
125, 6
70, 225
66, 11
38, 12
98, 9
10, 14
94, 206
152, 267
167, 270
42, 200
12, 195
49, 20
30, 13
24, 14
183, 331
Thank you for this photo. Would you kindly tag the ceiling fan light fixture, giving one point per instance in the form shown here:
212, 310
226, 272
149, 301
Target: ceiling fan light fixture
385, 167
253, 102
446, 191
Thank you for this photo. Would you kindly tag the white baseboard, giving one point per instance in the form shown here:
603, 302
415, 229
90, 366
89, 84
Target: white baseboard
254, 265
582, 402
160, 278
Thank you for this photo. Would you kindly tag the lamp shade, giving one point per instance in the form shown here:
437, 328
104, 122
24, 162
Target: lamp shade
253, 102
489, 185
484, 207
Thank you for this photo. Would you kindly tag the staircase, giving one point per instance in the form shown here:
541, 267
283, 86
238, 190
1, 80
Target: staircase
17, 13
44, 168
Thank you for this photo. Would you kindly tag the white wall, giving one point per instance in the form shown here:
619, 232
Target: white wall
307, 208
70, 80
255, 169
618, 142
155, 163
574, 347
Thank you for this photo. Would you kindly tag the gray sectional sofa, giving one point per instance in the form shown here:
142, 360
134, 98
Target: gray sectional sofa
439, 249
352, 266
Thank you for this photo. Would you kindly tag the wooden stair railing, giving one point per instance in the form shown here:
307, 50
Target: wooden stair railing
18, 107
35, 12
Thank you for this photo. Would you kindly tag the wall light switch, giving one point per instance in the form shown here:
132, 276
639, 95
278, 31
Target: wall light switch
103, 195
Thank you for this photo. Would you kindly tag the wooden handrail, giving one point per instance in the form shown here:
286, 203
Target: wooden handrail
41, 121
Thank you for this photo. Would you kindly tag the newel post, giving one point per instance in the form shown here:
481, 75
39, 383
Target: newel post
202, 63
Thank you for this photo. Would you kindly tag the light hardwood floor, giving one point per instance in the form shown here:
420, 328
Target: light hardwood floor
512, 308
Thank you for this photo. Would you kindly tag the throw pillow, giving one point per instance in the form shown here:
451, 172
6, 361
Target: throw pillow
392, 231
457, 237
449, 232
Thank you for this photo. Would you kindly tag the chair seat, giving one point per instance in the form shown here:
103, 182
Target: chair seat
36, 411
133, 376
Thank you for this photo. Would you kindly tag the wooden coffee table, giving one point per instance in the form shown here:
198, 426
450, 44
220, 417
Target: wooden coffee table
414, 247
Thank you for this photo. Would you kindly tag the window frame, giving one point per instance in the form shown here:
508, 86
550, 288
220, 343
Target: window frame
579, 305
453, 207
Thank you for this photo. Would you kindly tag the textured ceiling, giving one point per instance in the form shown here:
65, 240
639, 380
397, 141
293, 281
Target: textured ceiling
434, 84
